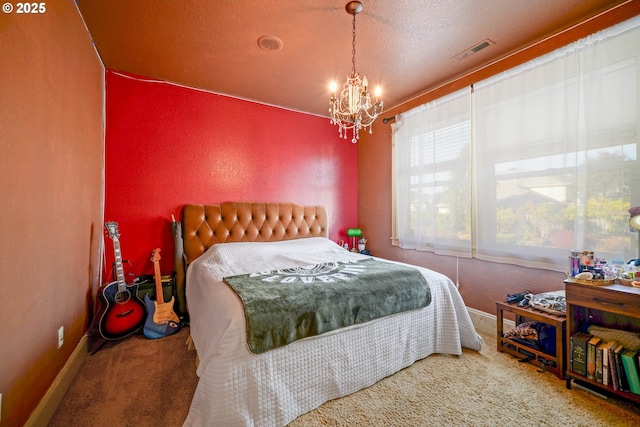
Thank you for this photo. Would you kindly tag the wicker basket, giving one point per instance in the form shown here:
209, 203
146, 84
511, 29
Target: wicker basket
595, 282
626, 282
629, 282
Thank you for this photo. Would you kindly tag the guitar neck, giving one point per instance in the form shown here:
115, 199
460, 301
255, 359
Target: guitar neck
122, 285
158, 277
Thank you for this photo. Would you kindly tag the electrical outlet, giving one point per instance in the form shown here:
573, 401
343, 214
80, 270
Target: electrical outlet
60, 336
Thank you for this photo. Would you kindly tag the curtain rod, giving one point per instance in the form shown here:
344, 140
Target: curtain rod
388, 119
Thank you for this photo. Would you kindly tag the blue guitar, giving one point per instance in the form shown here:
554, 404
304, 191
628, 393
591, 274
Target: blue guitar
161, 319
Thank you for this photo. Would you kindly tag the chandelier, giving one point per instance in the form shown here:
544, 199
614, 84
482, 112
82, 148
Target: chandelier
353, 109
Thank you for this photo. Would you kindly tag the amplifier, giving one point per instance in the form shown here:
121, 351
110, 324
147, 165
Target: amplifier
147, 286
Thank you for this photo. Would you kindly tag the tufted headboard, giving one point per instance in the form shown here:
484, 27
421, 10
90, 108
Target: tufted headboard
203, 226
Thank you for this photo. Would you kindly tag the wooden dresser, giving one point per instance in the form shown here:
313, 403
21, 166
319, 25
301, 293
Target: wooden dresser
614, 306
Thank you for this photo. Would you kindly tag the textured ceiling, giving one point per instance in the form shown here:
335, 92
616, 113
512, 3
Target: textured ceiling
405, 46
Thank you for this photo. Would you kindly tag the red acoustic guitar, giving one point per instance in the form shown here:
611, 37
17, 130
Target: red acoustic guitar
120, 311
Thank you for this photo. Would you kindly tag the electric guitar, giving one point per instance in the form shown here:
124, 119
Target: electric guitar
161, 319
120, 312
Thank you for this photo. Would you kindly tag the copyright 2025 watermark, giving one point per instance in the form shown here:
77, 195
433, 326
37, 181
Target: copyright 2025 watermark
24, 8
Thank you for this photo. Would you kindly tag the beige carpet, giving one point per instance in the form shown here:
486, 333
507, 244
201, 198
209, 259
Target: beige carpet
138, 382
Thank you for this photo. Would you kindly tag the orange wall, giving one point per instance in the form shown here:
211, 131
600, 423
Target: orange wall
167, 145
481, 282
51, 141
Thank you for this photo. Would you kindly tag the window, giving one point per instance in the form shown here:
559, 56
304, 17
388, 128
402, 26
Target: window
554, 166
433, 176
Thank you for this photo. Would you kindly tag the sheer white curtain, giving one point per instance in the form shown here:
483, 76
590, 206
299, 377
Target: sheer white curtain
536, 162
433, 176
557, 153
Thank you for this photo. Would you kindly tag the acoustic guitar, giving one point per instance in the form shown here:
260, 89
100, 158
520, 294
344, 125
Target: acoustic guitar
120, 311
161, 319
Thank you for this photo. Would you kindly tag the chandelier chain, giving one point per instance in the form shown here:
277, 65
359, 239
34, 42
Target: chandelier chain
353, 47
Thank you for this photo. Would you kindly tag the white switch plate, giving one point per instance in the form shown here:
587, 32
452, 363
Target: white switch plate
60, 336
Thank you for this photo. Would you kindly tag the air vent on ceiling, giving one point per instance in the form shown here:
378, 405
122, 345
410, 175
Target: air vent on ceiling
474, 49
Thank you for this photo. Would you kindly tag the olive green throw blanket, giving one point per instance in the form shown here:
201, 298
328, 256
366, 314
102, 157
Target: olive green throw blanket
282, 306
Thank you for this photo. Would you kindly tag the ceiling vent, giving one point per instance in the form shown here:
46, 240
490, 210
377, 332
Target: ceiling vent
474, 49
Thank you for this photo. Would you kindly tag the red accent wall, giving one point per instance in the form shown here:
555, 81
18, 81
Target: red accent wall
167, 146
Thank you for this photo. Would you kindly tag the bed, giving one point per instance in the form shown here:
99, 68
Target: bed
238, 387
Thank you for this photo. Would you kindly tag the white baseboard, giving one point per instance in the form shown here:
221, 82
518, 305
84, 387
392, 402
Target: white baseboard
43, 413
487, 323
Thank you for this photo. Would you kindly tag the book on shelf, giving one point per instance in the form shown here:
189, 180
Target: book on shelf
606, 367
622, 383
629, 362
638, 362
579, 352
592, 344
612, 367
599, 364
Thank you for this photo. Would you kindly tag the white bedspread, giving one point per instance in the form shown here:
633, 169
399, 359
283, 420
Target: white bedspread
238, 388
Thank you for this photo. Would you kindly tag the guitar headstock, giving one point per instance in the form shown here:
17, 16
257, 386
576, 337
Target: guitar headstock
112, 228
155, 256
